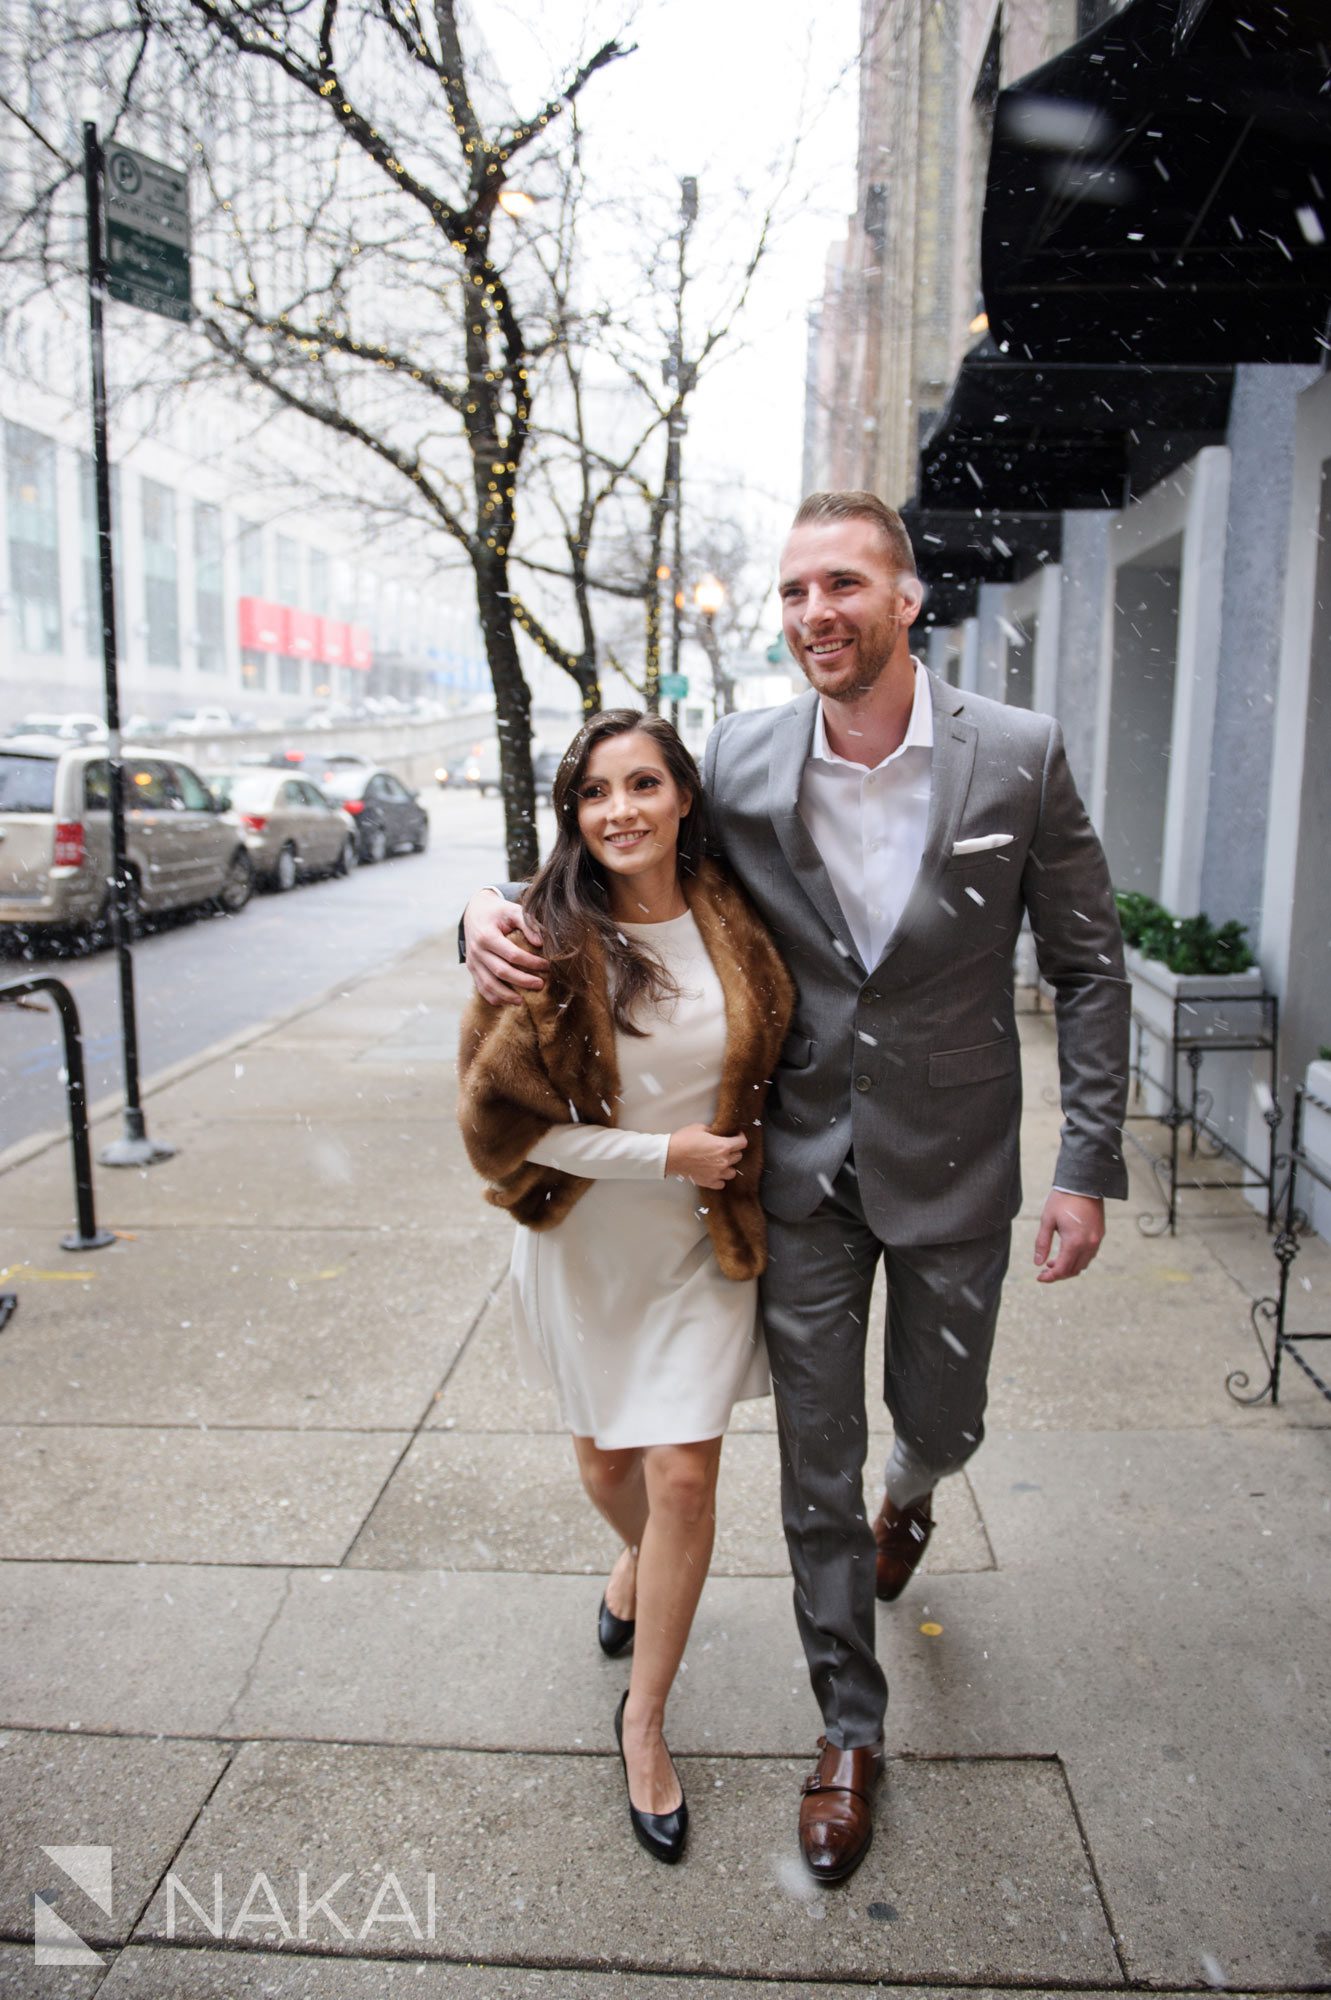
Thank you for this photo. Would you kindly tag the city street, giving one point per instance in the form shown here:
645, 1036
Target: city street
201, 978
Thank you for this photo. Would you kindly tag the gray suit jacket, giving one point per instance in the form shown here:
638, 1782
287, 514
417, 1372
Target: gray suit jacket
912, 1065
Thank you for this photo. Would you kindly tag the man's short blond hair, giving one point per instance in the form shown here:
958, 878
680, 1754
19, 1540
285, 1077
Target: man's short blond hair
855, 506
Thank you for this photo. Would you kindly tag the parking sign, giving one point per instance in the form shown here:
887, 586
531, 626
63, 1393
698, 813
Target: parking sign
147, 233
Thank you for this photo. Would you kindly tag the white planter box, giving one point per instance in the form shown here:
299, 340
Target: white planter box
1207, 1015
1315, 1201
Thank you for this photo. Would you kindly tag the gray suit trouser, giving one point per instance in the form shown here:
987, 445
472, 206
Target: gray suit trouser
942, 1307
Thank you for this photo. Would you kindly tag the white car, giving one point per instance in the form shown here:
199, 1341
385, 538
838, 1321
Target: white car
76, 728
200, 722
55, 837
291, 829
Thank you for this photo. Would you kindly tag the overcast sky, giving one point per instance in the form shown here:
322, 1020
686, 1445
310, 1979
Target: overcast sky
718, 89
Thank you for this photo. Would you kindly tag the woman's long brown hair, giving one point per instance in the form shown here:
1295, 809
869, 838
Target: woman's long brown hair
569, 898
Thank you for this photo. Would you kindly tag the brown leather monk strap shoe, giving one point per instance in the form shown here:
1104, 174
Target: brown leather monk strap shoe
836, 1810
902, 1538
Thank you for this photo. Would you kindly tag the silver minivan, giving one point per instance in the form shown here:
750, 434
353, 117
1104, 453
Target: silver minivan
55, 836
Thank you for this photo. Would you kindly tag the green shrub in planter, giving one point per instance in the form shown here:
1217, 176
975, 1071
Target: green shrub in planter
1184, 944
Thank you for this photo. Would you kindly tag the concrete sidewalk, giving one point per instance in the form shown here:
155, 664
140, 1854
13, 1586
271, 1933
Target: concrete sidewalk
299, 1594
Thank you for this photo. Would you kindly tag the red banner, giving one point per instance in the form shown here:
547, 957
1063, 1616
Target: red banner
362, 651
263, 626
334, 642
302, 635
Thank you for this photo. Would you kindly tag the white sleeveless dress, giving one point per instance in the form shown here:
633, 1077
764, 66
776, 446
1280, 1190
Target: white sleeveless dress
620, 1308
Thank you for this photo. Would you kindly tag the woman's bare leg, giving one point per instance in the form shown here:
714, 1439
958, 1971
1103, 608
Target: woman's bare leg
673, 1557
614, 1483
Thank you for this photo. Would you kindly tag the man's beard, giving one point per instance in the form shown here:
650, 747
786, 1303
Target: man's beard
869, 676
864, 685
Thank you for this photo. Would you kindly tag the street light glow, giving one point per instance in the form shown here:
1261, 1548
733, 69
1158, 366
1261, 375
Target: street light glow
516, 202
709, 594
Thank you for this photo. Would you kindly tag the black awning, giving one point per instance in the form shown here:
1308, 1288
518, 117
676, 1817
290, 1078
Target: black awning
957, 550
1161, 191
1038, 437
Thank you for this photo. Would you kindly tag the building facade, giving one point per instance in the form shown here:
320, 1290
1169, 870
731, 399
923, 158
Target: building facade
1145, 497
228, 592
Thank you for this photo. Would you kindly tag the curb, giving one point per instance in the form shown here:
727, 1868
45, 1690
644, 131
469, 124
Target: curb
38, 1143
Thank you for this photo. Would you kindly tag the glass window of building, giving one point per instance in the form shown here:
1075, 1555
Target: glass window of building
290, 579
289, 674
92, 569
319, 582
161, 595
249, 558
208, 598
34, 538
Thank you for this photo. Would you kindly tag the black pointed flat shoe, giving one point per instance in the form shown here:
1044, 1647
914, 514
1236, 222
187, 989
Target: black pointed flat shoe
614, 1633
662, 1834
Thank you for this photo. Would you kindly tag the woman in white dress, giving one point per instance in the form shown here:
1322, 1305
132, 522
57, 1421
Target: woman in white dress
617, 1113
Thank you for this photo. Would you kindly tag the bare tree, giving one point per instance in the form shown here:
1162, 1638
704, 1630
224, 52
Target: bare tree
367, 260
356, 155
609, 444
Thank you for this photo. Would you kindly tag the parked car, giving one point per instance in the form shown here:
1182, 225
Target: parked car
55, 837
290, 828
476, 769
73, 728
343, 760
328, 715
387, 815
544, 764
200, 721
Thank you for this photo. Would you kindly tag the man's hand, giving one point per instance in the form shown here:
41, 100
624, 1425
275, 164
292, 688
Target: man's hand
501, 970
1078, 1221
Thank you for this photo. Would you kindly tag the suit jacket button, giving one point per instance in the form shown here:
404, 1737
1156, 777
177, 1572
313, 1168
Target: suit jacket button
871, 995
864, 1083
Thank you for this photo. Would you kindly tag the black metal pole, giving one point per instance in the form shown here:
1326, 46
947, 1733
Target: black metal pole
87, 1236
135, 1149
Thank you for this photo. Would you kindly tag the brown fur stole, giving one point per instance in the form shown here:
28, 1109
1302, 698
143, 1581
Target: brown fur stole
551, 1061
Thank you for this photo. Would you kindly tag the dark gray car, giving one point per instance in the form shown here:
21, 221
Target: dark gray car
388, 817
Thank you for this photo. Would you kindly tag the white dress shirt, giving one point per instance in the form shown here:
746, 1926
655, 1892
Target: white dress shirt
869, 825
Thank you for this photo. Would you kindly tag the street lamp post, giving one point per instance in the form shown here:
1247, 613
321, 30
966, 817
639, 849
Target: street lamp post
709, 595
679, 372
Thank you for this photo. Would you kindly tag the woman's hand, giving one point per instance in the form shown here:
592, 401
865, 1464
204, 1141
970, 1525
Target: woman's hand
697, 1155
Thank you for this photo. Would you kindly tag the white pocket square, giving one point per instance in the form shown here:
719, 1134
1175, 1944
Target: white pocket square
982, 844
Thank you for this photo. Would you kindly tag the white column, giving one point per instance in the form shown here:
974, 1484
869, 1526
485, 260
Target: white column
1049, 605
1201, 583
1279, 939
968, 672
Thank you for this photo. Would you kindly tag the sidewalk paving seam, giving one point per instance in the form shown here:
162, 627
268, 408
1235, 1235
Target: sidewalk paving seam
1100, 1890
602, 1969
984, 1530
203, 1805
798, 1759
420, 1430
38, 1143
248, 1676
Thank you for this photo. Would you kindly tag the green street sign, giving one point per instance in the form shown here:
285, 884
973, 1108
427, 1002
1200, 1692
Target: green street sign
674, 687
147, 233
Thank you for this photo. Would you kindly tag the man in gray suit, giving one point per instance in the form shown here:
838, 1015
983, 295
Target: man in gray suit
893, 832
